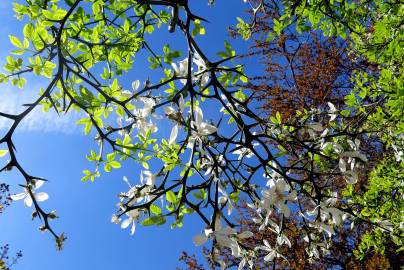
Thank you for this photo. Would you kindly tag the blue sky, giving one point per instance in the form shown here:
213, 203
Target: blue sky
55, 149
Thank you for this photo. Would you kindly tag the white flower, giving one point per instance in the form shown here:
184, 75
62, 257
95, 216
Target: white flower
149, 104
204, 77
137, 193
342, 165
115, 219
200, 128
322, 227
278, 194
181, 70
244, 261
39, 197
332, 111
351, 176
141, 114
244, 152
312, 251
143, 126
282, 239
354, 154
197, 59
272, 253
225, 237
148, 178
223, 200
170, 111
212, 166
173, 135
135, 87
133, 216
398, 154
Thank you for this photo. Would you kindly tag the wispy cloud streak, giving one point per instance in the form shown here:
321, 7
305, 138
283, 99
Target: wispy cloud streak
12, 100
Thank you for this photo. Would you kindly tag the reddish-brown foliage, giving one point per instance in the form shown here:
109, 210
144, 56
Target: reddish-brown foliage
301, 72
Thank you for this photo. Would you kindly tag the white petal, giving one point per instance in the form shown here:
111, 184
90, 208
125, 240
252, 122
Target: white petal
18, 196
28, 201
285, 210
199, 240
352, 144
316, 126
351, 177
332, 107
135, 85
132, 230
355, 154
125, 224
206, 129
115, 219
184, 67
244, 235
173, 135
126, 93
270, 257
281, 185
133, 213
151, 180
229, 208
267, 244
242, 264
197, 59
125, 179
41, 196
205, 78
198, 116
235, 249
175, 68
39, 183
181, 103
228, 231
342, 165
328, 229
191, 142
169, 110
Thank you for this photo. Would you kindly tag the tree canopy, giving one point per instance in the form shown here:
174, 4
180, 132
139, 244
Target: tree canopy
313, 148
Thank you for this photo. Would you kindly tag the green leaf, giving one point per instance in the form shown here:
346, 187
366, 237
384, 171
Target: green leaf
155, 209
153, 220
88, 127
111, 156
115, 164
107, 167
145, 165
15, 41
170, 195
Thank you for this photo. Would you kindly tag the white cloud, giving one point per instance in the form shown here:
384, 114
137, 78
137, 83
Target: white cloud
12, 100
